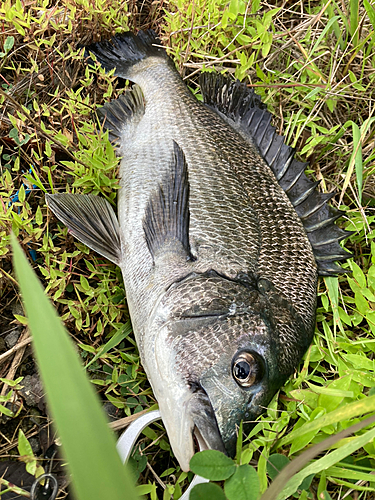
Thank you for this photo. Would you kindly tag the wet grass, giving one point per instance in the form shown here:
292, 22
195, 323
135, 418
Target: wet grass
313, 63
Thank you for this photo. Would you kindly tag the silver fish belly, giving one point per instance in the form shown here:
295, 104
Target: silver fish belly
220, 238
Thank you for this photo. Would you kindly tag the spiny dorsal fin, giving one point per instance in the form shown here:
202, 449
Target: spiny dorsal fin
243, 109
167, 213
91, 220
115, 115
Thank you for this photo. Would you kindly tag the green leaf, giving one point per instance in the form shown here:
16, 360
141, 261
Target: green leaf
31, 467
39, 216
8, 44
358, 274
243, 484
275, 464
332, 288
354, 17
370, 12
5, 411
207, 491
331, 400
212, 465
290, 475
87, 442
24, 447
360, 361
21, 319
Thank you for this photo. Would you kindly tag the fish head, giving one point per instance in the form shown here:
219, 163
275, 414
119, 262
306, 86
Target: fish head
216, 359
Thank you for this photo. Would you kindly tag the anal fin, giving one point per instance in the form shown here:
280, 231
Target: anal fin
91, 220
166, 219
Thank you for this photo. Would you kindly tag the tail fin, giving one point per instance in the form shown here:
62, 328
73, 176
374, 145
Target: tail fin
126, 50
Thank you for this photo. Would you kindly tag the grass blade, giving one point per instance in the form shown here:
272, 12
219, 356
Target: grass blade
88, 443
354, 18
358, 159
120, 335
370, 12
357, 150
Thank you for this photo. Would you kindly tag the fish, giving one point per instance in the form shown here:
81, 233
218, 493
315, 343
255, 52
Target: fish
220, 237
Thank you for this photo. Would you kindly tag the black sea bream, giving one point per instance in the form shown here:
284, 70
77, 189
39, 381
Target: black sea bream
220, 238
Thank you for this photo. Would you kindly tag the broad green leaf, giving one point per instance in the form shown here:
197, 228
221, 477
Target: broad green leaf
6, 411
88, 443
24, 447
8, 44
330, 390
275, 464
371, 277
370, 317
207, 491
302, 441
308, 397
361, 303
212, 465
243, 484
360, 361
358, 274
339, 391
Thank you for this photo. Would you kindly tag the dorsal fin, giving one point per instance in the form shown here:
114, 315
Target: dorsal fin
166, 220
115, 115
244, 110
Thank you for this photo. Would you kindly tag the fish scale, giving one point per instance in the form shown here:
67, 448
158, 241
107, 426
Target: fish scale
220, 237
285, 256
216, 195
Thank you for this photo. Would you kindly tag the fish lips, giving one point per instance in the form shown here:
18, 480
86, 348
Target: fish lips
206, 429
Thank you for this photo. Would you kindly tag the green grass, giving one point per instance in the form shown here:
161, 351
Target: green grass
313, 63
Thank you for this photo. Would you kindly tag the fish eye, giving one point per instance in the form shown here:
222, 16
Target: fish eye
246, 369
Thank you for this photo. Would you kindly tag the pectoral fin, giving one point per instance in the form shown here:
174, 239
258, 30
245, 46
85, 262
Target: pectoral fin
91, 220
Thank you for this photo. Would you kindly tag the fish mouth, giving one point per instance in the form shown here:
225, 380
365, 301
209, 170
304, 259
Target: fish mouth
206, 429
193, 416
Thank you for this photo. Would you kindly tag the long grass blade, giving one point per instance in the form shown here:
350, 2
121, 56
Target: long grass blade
370, 12
354, 18
118, 337
88, 443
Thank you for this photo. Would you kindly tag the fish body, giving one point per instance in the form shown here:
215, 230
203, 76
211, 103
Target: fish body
220, 265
